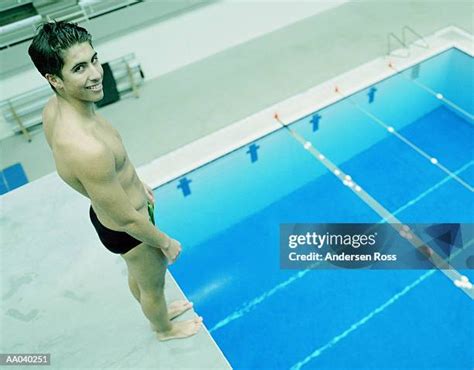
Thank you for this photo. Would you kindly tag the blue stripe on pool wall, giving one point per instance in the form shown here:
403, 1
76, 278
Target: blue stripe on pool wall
184, 186
253, 152
371, 94
315, 121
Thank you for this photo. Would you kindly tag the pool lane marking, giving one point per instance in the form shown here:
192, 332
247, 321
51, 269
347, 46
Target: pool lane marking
254, 302
316, 353
420, 151
412, 238
437, 95
358, 324
430, 190
247, 307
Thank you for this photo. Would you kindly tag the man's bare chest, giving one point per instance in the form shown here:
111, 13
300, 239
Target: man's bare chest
112, 140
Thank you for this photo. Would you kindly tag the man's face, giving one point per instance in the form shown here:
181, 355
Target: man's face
82, 73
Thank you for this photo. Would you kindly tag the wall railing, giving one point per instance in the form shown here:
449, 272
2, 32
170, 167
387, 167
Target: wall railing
25, 29
403, 42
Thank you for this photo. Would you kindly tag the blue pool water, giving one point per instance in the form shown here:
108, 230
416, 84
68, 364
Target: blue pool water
265, 317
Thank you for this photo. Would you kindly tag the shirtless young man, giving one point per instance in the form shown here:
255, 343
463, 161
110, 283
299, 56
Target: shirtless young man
90, 157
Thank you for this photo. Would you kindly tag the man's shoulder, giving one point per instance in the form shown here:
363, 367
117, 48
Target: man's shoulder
77, 147
82, 147
68, 130
85, 158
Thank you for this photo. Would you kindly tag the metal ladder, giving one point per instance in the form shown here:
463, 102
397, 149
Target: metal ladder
403, 42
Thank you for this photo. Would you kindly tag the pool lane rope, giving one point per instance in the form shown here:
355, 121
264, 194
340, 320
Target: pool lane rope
437, 95
391, 129
403, 229
250, 305
319, 351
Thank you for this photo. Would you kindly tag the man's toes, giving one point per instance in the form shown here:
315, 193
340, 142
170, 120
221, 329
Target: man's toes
184, 305
197, 324
179, 304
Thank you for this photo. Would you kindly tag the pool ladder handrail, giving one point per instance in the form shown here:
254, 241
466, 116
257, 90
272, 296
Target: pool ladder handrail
402, 41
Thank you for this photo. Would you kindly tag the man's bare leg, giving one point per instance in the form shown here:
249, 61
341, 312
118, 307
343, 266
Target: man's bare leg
147, 266
132, 284
175, 308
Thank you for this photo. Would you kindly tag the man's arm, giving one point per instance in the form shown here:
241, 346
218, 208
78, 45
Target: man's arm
149, 193
95, 169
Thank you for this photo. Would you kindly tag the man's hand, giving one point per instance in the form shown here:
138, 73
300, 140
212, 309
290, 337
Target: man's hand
172, 250
149, 193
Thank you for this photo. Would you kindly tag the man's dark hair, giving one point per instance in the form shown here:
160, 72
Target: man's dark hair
53, 39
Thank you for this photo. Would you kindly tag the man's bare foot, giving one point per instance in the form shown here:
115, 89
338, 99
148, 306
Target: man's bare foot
181, 329
179, 307
176, 309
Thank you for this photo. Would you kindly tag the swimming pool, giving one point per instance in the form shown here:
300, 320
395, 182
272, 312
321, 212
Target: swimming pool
406, 147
